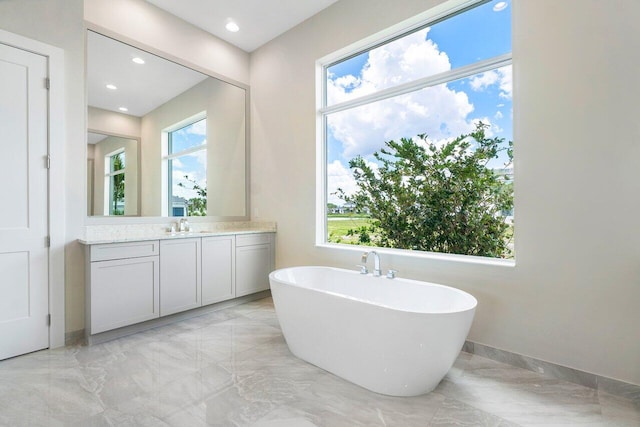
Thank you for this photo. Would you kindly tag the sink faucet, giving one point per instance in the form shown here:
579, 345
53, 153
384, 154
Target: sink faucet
376, 262
183, 225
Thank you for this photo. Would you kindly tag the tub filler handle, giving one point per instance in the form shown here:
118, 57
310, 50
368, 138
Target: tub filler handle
363, 269
391, 274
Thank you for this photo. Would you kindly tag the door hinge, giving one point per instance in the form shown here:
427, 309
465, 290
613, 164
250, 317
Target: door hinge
47, 242
48, 320
47, 83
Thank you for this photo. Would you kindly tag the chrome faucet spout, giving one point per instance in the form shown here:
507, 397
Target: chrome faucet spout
376, 262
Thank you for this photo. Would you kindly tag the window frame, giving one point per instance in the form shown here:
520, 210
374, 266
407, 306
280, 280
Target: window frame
430, 17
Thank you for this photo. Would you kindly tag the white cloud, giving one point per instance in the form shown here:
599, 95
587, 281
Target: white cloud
340, 176
198, 128
484, 80
440, 111
492, 128
187, 192
501, 76
402, 60
506, 82
498, 115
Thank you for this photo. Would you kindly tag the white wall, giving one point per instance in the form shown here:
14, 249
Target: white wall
112, 123
573, 296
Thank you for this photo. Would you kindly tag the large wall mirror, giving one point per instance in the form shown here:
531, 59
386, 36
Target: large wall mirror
162, 139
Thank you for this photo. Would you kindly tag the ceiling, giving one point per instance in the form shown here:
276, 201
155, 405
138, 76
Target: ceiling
259, 20
140, 88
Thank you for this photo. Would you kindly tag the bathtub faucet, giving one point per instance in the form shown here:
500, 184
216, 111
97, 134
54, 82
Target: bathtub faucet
376, 262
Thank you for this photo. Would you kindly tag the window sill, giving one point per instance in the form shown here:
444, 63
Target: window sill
466, 259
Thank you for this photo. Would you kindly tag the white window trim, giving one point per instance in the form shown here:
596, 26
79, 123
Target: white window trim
322, 111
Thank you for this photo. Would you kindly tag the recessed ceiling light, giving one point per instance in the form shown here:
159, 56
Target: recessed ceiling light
138, 60
501, 5
123, 109
232, 26
112, 87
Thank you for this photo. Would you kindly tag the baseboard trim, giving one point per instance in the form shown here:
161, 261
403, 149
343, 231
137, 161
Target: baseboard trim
74, 337
598, 382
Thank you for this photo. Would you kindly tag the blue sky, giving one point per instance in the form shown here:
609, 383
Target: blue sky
442, 112
193, 165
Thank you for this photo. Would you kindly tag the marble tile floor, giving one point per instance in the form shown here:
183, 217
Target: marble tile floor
233, 368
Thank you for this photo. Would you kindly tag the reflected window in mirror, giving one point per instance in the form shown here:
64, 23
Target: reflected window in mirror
112, 160
115, 181
187, 167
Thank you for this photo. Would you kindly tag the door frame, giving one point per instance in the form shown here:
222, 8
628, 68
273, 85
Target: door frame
56, 205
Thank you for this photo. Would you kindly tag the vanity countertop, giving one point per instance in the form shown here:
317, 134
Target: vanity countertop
128, 233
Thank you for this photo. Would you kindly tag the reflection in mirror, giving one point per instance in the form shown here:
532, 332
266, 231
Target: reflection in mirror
112, 175
191, 130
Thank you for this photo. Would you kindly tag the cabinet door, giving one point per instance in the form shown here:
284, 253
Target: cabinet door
180, 287
253, 265
123, 292
218, 269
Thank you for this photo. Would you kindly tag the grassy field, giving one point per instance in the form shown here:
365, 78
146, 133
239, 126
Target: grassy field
339, 225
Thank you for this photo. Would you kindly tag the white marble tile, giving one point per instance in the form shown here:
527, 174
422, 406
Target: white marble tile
522, 396
455, 413
233, 368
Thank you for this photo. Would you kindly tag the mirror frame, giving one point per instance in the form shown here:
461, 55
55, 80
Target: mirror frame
123, 220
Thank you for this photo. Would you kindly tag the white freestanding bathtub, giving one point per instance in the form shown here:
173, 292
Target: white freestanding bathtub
397, 337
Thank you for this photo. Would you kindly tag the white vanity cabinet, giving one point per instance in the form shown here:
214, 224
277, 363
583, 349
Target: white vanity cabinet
218, 269
254, 262
123, 285
135, 281
180, 275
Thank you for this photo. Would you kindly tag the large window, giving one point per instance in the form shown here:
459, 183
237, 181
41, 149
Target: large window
115, 181
417, 137
186, 161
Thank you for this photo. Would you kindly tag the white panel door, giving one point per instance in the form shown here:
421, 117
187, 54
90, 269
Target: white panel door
24, 288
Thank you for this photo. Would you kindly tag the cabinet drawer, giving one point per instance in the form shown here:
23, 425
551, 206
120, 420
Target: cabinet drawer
253, 239
124, 250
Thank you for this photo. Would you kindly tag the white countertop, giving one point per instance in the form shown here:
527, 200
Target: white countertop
95, 235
